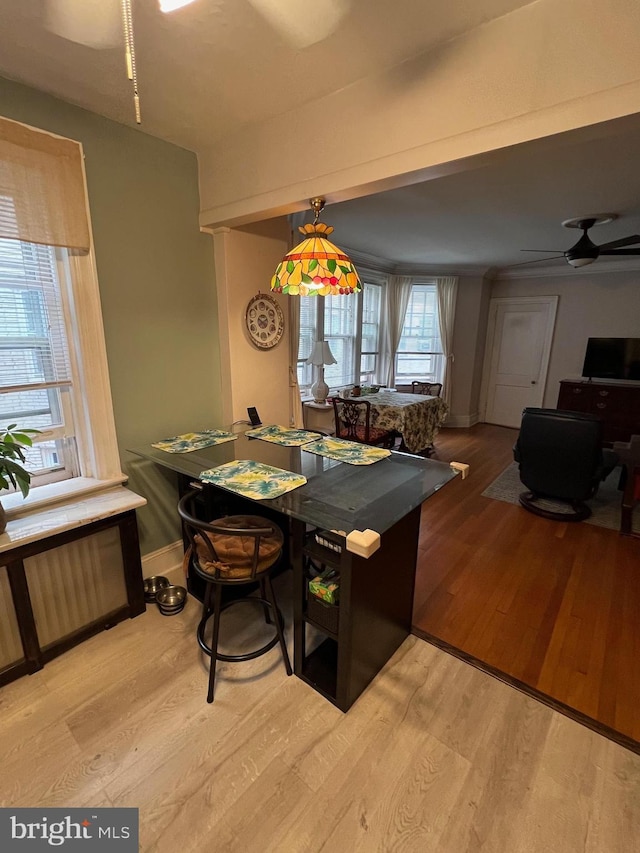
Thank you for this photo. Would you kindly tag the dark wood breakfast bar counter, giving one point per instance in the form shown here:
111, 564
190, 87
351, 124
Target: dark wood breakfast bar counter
361, 520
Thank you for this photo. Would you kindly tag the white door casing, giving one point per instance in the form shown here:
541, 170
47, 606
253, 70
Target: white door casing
519, 335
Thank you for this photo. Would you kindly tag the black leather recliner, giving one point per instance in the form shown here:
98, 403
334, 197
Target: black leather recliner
561, 458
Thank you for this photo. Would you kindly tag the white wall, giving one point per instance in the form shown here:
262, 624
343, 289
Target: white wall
245, 261
590, 305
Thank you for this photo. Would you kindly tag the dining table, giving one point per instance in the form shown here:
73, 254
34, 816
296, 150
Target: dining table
366, 500
416, 417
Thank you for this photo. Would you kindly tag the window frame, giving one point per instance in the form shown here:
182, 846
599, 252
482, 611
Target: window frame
93, 416
437, 374
369, 279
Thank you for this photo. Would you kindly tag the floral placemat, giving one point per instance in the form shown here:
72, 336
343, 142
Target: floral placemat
253, 479
194, 441
283, 435
347, 451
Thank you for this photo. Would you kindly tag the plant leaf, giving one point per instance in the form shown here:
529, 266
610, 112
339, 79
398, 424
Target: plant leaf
17, 475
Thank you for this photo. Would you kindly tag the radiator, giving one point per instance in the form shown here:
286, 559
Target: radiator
10, 645
75, 584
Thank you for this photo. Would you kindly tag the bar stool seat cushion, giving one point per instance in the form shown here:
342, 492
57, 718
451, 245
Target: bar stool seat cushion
236, 552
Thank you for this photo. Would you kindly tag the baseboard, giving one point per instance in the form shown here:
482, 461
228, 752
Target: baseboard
165, 561
461, 421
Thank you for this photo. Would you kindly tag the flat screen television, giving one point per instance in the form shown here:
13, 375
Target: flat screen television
612, 358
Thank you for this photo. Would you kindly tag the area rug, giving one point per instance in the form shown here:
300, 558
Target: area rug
605, 506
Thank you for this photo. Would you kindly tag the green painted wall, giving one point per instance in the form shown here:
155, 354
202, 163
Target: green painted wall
157, 288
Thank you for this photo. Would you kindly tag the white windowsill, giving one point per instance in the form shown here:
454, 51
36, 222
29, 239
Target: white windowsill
49, 520
41, 497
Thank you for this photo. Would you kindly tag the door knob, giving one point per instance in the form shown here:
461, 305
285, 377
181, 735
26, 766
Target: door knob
533, 381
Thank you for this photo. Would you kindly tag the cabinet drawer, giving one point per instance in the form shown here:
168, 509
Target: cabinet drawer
616, 404
574, 398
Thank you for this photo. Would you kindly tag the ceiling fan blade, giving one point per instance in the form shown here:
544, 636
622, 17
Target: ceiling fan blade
624, 241
94, 23
544, 251
620, 252
303, 24
537, 260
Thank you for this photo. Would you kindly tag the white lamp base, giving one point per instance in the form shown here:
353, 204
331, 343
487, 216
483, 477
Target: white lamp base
320, 389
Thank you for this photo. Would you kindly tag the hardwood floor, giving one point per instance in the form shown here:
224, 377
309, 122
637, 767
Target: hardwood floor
553, 605
435, 757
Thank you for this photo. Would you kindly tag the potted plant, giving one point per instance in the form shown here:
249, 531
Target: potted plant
12, 472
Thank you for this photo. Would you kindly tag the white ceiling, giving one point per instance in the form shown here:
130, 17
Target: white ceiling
210, 69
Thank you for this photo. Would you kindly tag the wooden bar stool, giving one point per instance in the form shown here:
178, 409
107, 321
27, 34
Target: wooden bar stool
233, 551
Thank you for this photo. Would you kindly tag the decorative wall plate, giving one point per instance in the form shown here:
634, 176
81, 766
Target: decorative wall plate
265, 321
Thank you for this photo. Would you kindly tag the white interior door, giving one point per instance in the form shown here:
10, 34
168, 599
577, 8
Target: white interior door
519, 342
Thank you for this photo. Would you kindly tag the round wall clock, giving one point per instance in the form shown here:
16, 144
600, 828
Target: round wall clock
265, 321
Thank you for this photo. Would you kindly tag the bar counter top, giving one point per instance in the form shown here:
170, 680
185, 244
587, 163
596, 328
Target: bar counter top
337, 496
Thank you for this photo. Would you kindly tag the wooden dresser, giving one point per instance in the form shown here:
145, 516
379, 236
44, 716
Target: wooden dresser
617, 404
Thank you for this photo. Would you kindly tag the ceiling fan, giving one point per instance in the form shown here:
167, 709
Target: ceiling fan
585, 251
105, 23
98, 23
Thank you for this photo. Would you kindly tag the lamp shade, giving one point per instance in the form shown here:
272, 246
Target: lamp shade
315, 267
321, 354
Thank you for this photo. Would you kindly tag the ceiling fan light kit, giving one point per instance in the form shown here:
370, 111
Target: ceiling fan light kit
171, 5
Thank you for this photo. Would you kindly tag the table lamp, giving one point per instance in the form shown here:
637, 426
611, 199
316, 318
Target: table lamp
320, 355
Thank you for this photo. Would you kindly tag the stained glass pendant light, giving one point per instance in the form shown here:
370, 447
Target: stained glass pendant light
315, 267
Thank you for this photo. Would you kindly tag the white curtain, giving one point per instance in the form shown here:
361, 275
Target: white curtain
398, 293
447, 290
294, 339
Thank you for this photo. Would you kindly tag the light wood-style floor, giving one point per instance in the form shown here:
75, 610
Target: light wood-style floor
553, 605
435, 756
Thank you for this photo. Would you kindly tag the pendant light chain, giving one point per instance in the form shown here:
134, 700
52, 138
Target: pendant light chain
130, 54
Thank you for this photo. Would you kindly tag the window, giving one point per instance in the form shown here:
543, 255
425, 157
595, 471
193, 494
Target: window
352, 326
53, 367
371, 335
35, 373
419, 353
341, 331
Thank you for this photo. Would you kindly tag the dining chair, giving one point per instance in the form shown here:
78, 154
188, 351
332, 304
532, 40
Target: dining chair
230, 552
353, 422
431, 389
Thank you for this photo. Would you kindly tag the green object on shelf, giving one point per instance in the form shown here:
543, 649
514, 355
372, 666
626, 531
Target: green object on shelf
326, 587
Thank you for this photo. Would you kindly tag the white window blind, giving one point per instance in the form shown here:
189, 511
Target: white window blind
308, 336
340, 330
32, 329
35, 372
